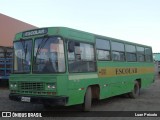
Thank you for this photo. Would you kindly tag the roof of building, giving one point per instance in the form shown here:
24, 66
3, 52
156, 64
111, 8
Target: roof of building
9, 27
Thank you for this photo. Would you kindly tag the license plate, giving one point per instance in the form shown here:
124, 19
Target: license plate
25, 99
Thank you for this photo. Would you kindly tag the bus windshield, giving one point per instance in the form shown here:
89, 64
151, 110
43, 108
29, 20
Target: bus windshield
22, 56
49, 55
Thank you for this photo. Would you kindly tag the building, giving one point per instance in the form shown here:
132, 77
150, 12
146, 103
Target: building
9, 27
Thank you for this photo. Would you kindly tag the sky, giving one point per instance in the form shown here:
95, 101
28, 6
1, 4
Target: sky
130, 20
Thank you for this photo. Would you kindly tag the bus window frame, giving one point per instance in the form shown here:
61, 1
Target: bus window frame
112, 50
63, 39
120, 43
151, 55
138, 53
109, 50
31, 56
119, 60
126, 52
94, 51
104, 59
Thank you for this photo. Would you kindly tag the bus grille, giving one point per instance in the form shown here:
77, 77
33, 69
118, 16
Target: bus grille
31, 86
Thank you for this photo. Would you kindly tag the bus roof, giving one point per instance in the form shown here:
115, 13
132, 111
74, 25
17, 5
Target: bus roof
72, 34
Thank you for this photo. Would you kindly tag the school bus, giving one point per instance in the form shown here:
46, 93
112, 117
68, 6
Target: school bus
64, 66
156, 57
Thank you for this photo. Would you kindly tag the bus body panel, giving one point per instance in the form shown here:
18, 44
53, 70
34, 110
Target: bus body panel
111, 78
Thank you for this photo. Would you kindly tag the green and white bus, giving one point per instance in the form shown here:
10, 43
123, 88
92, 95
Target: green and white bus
64, 66
156, 57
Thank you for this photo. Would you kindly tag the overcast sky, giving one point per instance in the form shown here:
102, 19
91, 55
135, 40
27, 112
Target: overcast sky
131, 20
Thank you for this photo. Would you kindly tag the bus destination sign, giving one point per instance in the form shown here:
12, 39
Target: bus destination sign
35, 32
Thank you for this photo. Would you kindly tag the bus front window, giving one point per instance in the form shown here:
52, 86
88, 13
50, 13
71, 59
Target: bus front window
22, 56
49, 55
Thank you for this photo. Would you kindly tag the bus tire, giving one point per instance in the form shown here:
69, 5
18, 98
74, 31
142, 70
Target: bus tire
87, 100
136, 91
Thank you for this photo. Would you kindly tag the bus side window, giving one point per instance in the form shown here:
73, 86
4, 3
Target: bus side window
103, 49
130, 53
140, 54
118, 51
81, 57
148, 54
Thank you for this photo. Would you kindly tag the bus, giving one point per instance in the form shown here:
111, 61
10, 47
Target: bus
64, 66
156, 57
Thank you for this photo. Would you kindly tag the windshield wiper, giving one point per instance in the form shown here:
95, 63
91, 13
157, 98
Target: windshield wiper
40, 46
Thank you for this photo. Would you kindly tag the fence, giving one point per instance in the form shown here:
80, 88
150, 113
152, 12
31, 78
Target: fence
6, 62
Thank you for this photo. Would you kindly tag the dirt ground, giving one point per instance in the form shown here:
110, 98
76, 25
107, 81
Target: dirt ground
149, 100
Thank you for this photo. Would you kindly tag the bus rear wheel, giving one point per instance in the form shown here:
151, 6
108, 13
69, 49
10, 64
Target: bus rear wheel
136, 91
87, 100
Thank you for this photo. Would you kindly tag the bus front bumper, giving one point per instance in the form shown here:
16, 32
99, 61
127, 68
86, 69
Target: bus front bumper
57, 100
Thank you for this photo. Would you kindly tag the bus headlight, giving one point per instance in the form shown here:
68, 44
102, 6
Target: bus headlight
51, 86
13, 85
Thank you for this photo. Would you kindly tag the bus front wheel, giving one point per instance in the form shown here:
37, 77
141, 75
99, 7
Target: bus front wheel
136, 91
87, 100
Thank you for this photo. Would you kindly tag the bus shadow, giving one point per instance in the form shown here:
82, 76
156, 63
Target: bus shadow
95, 103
